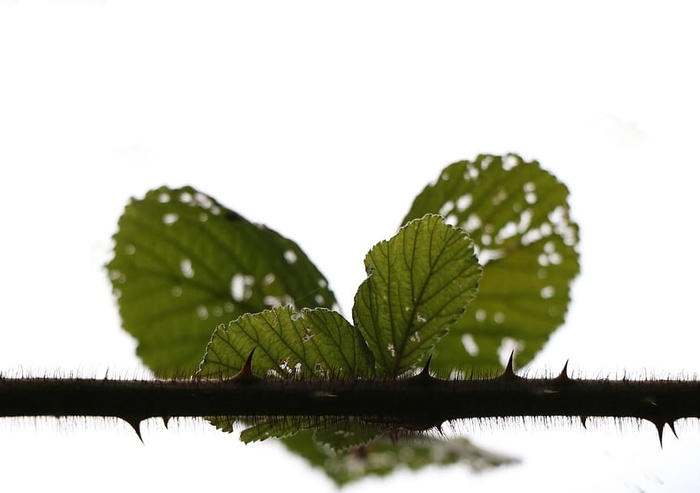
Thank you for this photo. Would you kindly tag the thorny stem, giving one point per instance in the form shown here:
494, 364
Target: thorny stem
418, 403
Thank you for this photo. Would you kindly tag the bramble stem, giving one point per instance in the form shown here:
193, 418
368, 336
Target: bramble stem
420, 402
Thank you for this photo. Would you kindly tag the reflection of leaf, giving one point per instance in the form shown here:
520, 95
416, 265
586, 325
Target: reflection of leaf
382, 457
310, 343
518, 217
183, 264
419, 282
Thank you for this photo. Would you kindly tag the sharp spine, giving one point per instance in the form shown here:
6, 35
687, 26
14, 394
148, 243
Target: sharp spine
424, 375
508, 373
135, 424
563, 375
660, 429
246, 373
673, 428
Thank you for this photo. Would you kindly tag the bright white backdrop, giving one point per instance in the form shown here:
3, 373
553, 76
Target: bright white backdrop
324, 120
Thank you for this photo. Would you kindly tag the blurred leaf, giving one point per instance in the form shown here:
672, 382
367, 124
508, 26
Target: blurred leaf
183, 264
339, 434
382, 457
342, 434
518, 217
419, 283
309, 343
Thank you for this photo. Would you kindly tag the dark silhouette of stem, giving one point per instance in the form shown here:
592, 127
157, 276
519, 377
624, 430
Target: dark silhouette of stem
418, 403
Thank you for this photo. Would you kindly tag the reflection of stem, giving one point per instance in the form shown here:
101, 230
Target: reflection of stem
416, 403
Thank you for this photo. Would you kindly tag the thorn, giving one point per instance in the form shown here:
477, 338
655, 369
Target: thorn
246, 373
673, 428
508, 372
660, 429
563, 376
583, 420
424, 375
135, 423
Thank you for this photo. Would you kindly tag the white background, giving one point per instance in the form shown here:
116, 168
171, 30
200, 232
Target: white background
324, 120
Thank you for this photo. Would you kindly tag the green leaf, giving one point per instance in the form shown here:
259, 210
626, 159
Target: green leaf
419, 283
310, 343
183, 264
337, 433
518, 217
341, 435
383, 457
272, 428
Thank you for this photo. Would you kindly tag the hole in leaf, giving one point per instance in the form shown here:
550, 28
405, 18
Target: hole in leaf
507, 231
547, 292
464, 202
275, 301
470, 345
186, 268
472, 223
202, 312
446, 208
241, 287
186, 198
203, 201
170, 218
525, 220
164, 198
308, 336
290, 256
510, 162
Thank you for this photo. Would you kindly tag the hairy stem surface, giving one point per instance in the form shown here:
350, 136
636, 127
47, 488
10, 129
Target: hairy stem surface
416, 403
